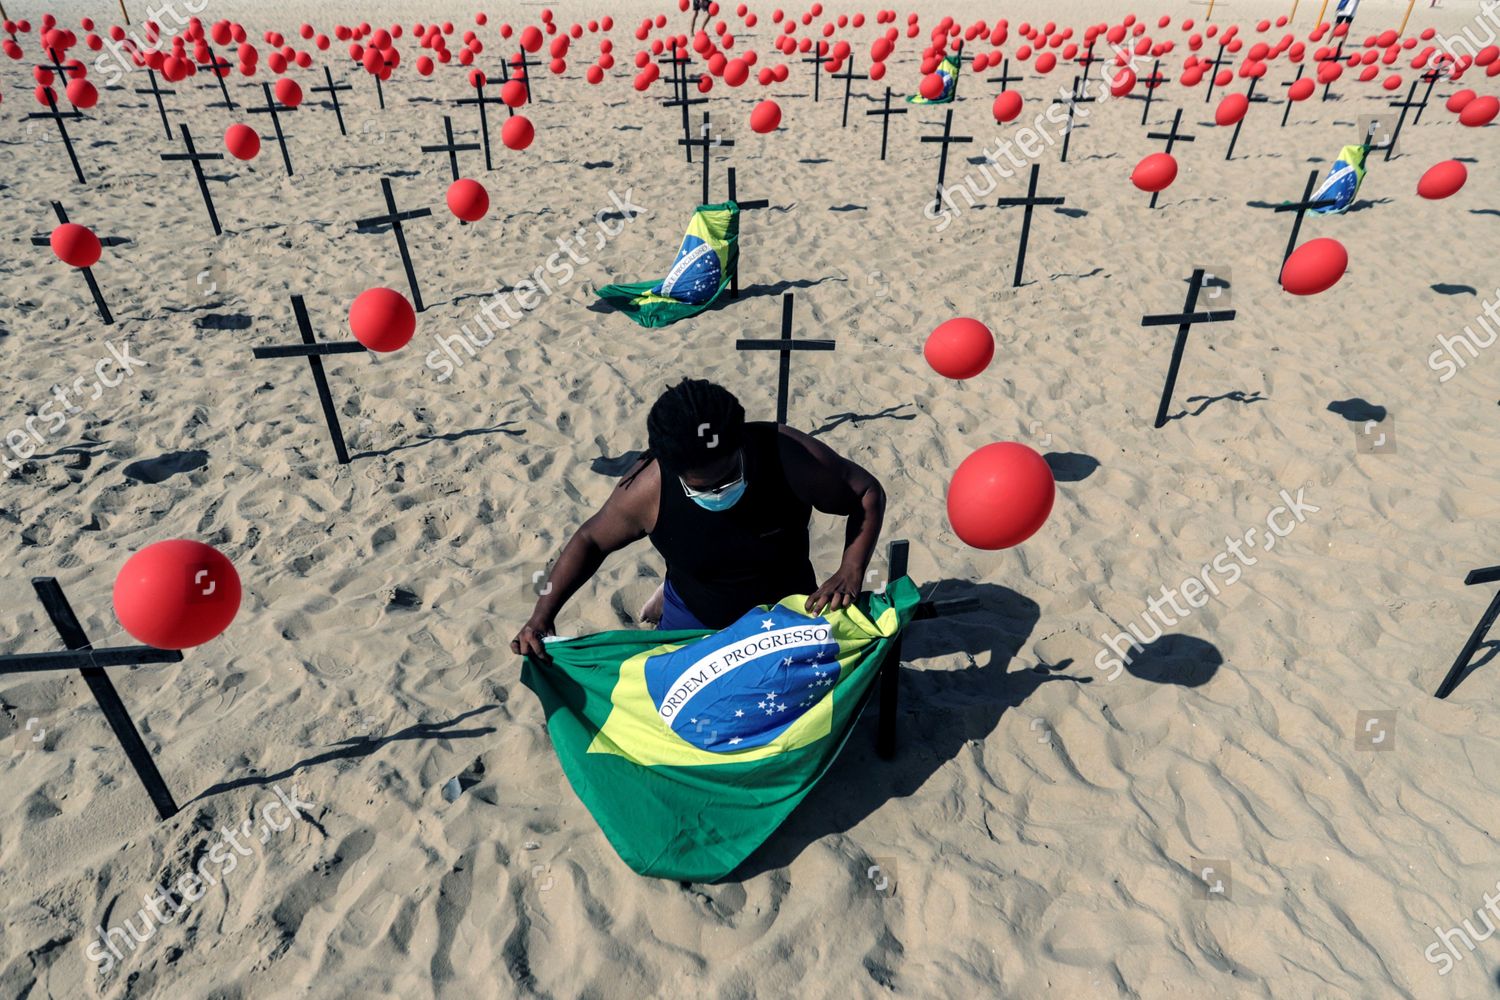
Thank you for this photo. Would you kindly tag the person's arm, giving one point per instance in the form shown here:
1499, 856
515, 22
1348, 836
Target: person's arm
834, 485
626, 517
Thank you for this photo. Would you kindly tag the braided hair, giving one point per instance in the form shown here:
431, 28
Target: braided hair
692, 424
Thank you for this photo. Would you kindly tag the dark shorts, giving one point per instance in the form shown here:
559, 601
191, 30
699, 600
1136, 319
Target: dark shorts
700, 5
674, 614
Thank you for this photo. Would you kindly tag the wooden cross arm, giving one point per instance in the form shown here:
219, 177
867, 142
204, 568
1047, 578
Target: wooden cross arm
122, 656
1218, 316
783, 345
309, 350
1487, 575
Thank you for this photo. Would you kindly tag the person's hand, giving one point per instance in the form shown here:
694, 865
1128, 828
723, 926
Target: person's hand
528, 641
840, 591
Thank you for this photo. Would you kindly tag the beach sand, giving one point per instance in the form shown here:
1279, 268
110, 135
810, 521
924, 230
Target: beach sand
1045, 822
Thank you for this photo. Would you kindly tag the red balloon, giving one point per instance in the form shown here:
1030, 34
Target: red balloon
242, 142
468, 199
531, 38
766, 117
1155, 172
1123, 82
517, 132
1314, 267
960, 348
176, 594
1007, 106
1459, 100
76, 245
1302, 89
82, 94
514, 93
288, 92
382, 319
1479, 111
1000, 496
1231, 110
932, 87
1442, 179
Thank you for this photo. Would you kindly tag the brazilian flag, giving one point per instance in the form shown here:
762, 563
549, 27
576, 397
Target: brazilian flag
948, 70
690, 748
1343, 181
705, 264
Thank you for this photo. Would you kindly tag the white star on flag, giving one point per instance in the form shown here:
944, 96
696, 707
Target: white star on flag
768, 624
739, 713
734, 740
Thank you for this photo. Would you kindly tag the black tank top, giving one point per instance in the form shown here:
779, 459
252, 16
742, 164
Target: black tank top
723, 563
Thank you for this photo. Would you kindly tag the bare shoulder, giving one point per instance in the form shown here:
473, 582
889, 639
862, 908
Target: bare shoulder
637, 495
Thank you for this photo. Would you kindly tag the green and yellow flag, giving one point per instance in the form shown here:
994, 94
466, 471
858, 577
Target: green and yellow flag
705, 264
691, 748
948, 70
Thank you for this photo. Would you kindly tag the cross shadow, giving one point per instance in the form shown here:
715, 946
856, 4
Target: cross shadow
164, 467
1485, 652
426, 439
1364, 203
1176, 659
758, 291
1357, 411
1070, 466
1442, 288
1237, 396
357, 747
1484, 211
615, 467
941, 712
839, 419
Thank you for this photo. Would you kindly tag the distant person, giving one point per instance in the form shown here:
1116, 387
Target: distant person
728, 504
699, 5
1344, 12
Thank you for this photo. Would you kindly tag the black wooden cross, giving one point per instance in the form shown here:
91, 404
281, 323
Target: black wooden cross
156, 91
1172, 136
332, 90
1286, 111
1431, 77
484, 118
1302, 208
885, 120
707, 143
946, 138
274, 109
1250, 96
897, 553
92, 664
88, 272
849, 76
818, 62
786, 345
394, 217
679, 64
1029, 203
1218, 61
525, 65
1075, 98
1338, 56
1401, 119
196, 159
1184, 322
1151, 83
1456, 672
220, 69
684, 101
58, 116
314, 352
1004, 79
451, 148
1088, 59
744, 206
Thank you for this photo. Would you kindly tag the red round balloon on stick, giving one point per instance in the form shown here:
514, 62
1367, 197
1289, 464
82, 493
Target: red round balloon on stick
1155, 172
382, 319
960, 348
1231, 110
1007, 106
1000, 496
76, 245
1479, 111
288, 92
176, 594
1302, 89
1314, 267
1459, 100
242, 142
517, 132
766, 117
468, 199
1442, 179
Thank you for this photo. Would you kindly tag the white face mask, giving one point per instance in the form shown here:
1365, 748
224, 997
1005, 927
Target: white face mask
720, 498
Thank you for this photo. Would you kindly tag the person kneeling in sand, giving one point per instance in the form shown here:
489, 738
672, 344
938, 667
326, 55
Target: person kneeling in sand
727, 504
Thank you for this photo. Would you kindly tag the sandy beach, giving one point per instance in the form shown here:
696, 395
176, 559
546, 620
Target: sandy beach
1045, 825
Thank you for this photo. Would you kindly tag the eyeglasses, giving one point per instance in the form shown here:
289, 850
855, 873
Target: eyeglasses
716, 491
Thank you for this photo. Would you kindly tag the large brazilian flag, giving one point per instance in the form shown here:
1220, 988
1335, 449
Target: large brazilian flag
705, 264
691, 748
1343, 181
